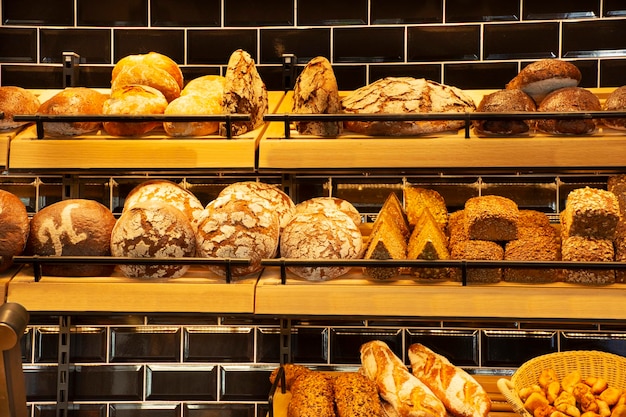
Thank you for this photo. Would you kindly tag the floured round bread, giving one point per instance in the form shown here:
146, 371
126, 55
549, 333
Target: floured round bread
73, 227
166, 192
326, 203
154, 77
239, 228
616, 101
16, 100
316, 92
324, 234
14, 228
540, 78
399, 95
566, 100
153, 229
513, 100
73, 101
209, 86
133, 100
194, 105
152, 59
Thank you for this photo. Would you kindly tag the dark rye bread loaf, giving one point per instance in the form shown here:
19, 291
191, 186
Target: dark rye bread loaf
73, 227
16, 100
14, 228
540, 78
616, 101
513, 100
566, 100
73, 101
153, 229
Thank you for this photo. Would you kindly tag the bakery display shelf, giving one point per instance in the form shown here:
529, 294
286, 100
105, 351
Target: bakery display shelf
5, 278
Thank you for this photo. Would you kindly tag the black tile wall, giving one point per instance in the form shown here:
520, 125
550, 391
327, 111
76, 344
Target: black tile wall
384, 12
134, 344
106, 383
594, 38
215, 46
522, 41
168, 42
329, 12
443, 43
112, 13
370, 44
605, 342
18, 45
613, 72
481, 10
86, 345
93, 45
141, 410
345, 343
305, 44
513, 348
180, 382
245, 383
428, 71
258, 13
185, 12
225, 410
480, 75
38, 12
570, 9
219, 345
459, 347
614, 8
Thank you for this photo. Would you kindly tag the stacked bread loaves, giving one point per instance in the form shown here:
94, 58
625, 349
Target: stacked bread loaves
135, 100
16, 100
14, 228
540, 78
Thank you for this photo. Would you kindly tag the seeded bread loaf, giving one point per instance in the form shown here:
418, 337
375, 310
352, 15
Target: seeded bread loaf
356, 396
416, 199
513, 100
532, 247
491, 217
312, 396
569, 100
73, 101
620, 250
617, 185
586, 249
616, 101
133, 100
590, 212
540, 78
479, 250
428, 242
16, 100
14, 228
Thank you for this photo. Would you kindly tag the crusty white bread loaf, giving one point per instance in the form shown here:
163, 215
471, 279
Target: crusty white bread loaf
586, 249
416, 199
323, 203
312, 395
512, 100
142, 74
153, 229
244, 92
590, 212
152, 59
540, 78
210, 86
569, 100
16, 100
356, 396
133, 100
194, 105
166, 192
316, 92
491, 217
72, 227
408, 396
616, 101
406, 95
14, 228
73, 101
461, 394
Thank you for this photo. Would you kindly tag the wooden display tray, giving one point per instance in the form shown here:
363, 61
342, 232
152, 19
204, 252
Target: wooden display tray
448, 150
198, 291
354, 295
5, 278
155, 150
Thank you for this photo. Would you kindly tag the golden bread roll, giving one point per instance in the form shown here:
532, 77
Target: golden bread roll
133, 100
16, 100
143, 74
152, 59
192, 104
540, 78
14, 228
210, 86
569, 100
73, 101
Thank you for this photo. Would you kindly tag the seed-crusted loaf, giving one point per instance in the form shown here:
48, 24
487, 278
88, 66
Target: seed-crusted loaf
586, 249
491, 217
416, 199
457, 230
620, 250
16, 100
513, 100
428, 242
617, 185
569, 100
540, 78
356, 396
590, 212
312, 395
386, 241
479, 250
532, 248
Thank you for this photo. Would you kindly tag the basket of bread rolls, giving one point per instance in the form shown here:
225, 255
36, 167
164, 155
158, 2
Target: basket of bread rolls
579, 383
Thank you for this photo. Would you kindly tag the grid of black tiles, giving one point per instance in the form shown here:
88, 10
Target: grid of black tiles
482, 45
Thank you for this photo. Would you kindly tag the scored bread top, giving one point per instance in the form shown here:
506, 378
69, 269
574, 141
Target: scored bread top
16, 100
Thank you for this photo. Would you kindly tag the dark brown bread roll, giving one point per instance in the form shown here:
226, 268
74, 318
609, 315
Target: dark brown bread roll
153, 229
16, 100
73, 101
564, 100
505, 101
540, 78
616, 101
133, 100
74, 227
152, 59
14, 228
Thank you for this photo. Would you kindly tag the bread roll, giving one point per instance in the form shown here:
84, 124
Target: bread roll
491, 217
321, 204
195, 105
14, 228
616, 101
16, 100
406, 95
153, 229
458, 390
542, 77
209, 86
565, 100
133, 100
316, 92
513, 100
152, 59
590, 212
73, 101
244, 92
143, 74
73, 227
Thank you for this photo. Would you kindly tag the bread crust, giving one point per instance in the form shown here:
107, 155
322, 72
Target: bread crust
133, 100
616, 101
540, 78
73, 101
16, 100
144, 74
14, 228
334, 203
491, 217
564, 100
152, 59
512, 100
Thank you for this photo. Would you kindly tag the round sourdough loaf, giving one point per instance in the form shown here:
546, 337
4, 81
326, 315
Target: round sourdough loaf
73, 101
143, 74
209, 86
73, 227
565, 100
330, 203
540, 78
192, 104
16, 100
239, 228
14, 228
151, 59
153, 229
133, 100
513, 100
616, 101
167, 192
322, 234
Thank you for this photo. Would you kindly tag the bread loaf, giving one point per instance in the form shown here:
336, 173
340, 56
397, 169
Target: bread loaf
386, 241
620, 250
244, 92
408, 396
616, 101
316, 92
16, 100
312, 396
428, 242
566, 100
590, 212
151, 59
457, 228
458, 390
406, 95
133, 100
356, 396
513, 100
153, 229
586, 249
14, 228
209, 86
292, 372
491, 217
142, 74
73, 227
416, 199
617, 185
540, 78
320, 204
478, 250
534, 246
73, 101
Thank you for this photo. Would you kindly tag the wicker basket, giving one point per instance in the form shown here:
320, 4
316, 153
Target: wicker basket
589, 362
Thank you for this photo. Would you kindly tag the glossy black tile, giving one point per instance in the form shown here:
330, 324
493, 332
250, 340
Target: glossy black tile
305, 44
272, 76
443, 43
26, 76
145, 344
86, 345
330, 12
513, 348
93, 45
38, 12
459, 346
345, 344
107, 320
41, 382
481, 10
140, 41
74, 410
561, 9
612, 72
368, 44
18, 45
428, 71
181, 383
219, 344
521, 41
605, 342
601, 38
589, 71
106, 383
112, 13
614, 8
214, 46
219, 410
479, 75
243, 383
26, 345
384, 12
186, 13
258, 13
308, 345
144, 410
